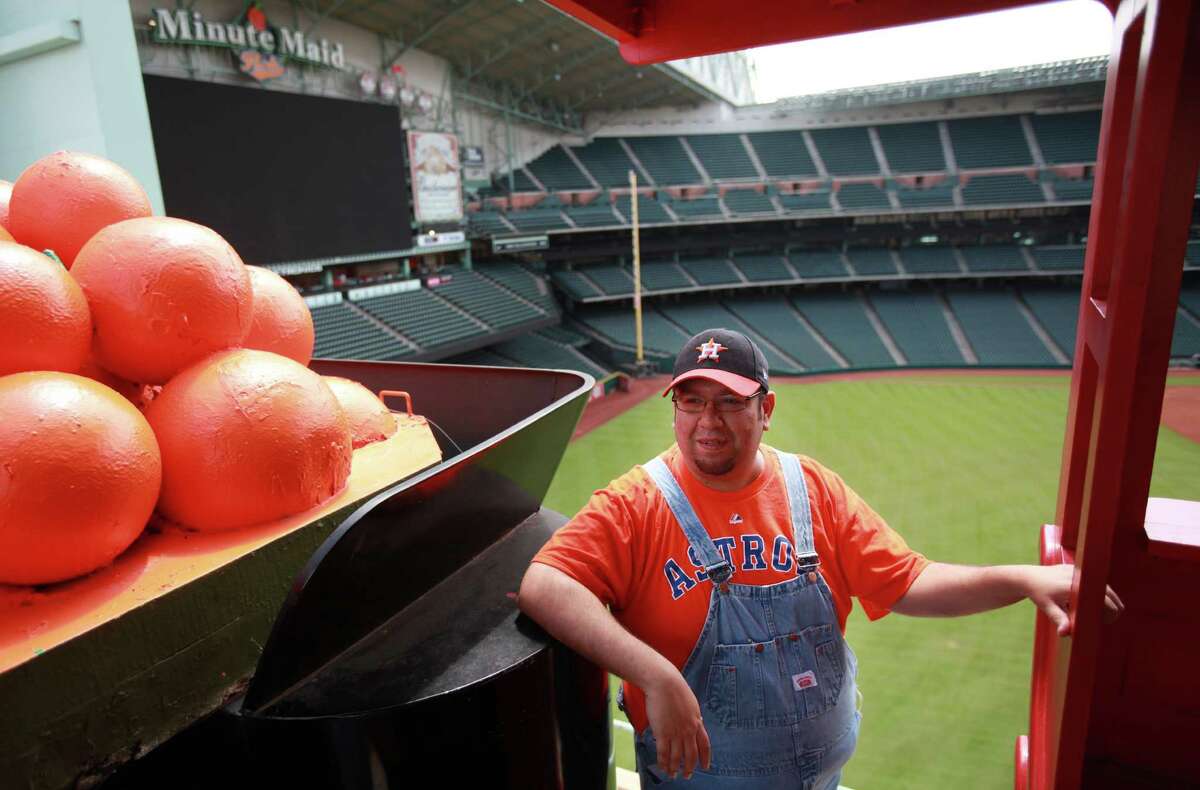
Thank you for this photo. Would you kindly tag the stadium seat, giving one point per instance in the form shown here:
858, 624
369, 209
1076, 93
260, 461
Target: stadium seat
521, 182
937, 196
663, 276
723, 156
423, 317
815, 265
556, 171
344, 333
929, 260
774, 318
613, 280
1057, 310
917, 324
487, 301
998, 141
856, 197
658, 334
531, 287
593, 215
1069, 137
706, 206
576, 285
487, 223
607, 161
711, 271
534, 220
806, 201
1000, 190
536, 351
994, 258
1191, 257
846, 151
1067, 257
698, 316
783, 154
764, 268
665, 160
843, 323
747, 201
871, 262
996, 329
912, 147
1073, 189
650, 211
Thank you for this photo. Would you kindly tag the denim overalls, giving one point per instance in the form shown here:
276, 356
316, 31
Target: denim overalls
771, 671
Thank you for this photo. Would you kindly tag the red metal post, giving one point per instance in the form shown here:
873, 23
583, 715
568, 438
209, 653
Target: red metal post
1146, 172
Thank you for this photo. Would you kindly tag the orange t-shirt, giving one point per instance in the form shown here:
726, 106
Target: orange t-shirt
628, 549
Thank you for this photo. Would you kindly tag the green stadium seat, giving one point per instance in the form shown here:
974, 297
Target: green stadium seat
665, 160
843, 323
912, 147
1069, 137
422, 317
1057, 310
856, 197
663, 276
1191, 256
650, 211
846, 151
576, 285
783, 154
1073, 189
1066, 257
937, 196
344, 333
711, 271
487, 301
998, 141
774, 318
764, 268
994, 258
723, 156
747, 201
521, 182
659, 335
812, 265
698, 316
872, 262
613, 280
556, 171
534, 220
696, 208
535, 351
607, 161
917, 324
531, 287
1185, 342
1001, 190
487, 223
996, 329
929, 260
806, 201
593, 215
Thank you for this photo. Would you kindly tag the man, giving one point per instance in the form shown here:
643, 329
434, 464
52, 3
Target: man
728, 567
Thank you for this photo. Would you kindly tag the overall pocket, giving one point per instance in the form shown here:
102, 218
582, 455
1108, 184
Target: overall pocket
823, 652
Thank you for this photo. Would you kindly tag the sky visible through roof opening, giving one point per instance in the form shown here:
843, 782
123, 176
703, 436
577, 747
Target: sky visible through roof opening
999, 40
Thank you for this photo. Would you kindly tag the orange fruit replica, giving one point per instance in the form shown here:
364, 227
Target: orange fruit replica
80, 476
62, 200
164, 294
282, 322
44, 319
5, 235
5, 197
128, 390
248, 436
370, 420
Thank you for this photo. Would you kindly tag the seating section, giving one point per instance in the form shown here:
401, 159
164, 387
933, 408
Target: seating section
912, 147
535, 351
807, 201
707, 206
607, 161
722, 155
664, 159
663, 276
846, 151
1185, 342
531, 287
698, 316
1189, 297
487, 223
856, 197
917, 324
521, 182
763, 268
1003, 189
1061, 257
711, 271
1191, 257
843, 323
488, 302
537, 219
775, 319
816, 265
929, 260
783, 154
1069, 137
658, 334
937, 196
593, 215
1073, 189
747, 201
613, 280
997, 141
996, 329
575, 284
1057, 310
421, 316
650, 211
994, 258
344, 333
872, 262
557, 172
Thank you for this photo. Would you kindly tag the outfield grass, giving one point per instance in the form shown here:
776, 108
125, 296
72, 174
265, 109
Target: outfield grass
966, 468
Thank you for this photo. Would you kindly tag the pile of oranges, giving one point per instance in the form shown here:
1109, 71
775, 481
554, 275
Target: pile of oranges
143, 367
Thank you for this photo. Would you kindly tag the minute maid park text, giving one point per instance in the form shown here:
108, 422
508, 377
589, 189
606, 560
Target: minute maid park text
189, 27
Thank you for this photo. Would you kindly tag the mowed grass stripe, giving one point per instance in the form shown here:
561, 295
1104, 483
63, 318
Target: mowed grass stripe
966, 468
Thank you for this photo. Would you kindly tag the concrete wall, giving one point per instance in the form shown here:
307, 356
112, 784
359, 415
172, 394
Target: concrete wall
84, 95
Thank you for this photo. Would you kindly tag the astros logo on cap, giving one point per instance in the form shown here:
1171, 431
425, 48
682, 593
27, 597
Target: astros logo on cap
710, 350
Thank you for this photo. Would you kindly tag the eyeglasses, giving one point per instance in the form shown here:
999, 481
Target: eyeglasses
726, 404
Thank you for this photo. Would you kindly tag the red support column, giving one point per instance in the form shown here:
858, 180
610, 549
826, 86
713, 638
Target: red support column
1146, 172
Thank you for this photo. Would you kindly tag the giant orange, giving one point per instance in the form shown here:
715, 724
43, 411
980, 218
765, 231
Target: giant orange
44, 319
282, 322
64, 199
164, 294
248, 436
5, 197
370, 420
79, 479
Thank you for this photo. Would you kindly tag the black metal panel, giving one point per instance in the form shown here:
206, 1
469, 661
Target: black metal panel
412, 537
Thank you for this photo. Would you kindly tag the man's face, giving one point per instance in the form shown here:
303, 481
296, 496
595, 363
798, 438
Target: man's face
717, 444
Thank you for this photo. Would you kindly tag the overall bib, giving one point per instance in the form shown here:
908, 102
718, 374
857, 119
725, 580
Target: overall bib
771, 671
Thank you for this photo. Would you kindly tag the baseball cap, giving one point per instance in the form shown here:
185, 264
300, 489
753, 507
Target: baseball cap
724, 356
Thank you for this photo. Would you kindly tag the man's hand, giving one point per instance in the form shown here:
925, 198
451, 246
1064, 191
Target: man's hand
674, 717
1049, 586
944, 590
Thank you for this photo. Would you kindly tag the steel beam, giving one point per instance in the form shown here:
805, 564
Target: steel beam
426, 33
473, 71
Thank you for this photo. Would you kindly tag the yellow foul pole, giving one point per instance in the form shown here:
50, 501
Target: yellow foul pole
637, 265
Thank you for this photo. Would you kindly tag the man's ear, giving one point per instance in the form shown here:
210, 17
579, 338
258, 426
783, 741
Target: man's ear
768, 407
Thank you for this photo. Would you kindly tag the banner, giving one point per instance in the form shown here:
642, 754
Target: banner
436, 177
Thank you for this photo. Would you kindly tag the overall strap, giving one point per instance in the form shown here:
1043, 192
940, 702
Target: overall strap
714, 564
798, 505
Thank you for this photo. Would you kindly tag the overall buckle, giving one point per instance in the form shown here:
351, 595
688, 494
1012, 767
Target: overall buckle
720, 573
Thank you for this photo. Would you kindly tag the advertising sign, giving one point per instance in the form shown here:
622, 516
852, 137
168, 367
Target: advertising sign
473, 157
436, 177
520, 243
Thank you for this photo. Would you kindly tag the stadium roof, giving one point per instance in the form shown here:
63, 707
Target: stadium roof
524, 57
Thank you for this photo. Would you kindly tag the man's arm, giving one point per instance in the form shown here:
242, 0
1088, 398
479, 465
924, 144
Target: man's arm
944, 590
577, 618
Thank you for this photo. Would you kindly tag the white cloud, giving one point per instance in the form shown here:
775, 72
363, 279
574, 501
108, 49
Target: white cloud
1003, 39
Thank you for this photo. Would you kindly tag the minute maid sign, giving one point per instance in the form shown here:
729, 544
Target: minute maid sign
259, 46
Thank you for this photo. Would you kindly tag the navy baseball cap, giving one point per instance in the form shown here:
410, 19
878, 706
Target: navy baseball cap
724, 356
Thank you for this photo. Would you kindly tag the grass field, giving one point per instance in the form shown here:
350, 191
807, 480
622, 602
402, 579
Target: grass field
966, 468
